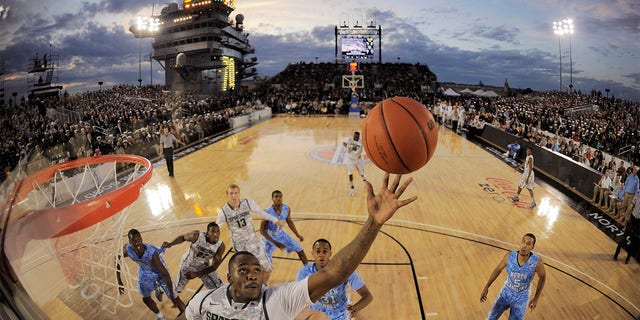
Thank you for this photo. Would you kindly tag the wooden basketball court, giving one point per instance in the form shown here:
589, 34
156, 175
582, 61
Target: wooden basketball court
430, 262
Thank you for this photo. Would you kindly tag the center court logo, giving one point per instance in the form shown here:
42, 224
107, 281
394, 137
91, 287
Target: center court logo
501, 190
332, 155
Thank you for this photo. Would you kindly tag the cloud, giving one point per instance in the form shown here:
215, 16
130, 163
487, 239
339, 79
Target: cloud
114, 6
633, 76
531, 68
500, 33
92, 51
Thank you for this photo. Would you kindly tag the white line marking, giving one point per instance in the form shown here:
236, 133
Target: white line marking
360, 217
353, 217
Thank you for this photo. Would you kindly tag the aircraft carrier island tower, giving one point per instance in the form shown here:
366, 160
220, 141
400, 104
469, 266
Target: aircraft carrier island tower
202, 49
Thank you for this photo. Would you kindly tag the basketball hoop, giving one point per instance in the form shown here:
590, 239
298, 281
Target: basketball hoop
353, 82
77, 211
54, 208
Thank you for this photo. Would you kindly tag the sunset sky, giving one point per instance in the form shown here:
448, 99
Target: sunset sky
461, 41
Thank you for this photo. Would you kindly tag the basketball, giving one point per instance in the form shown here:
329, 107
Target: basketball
399, 135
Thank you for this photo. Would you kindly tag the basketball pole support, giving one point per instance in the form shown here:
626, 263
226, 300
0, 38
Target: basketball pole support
353, 82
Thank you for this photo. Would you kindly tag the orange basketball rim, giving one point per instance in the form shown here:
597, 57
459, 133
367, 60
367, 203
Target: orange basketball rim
118, 186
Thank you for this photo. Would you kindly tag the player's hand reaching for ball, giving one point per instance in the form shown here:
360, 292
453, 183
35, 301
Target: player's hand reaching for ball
382, 206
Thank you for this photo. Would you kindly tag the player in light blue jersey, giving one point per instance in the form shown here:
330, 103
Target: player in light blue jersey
336, 303
152, 272
273, 235
521, 266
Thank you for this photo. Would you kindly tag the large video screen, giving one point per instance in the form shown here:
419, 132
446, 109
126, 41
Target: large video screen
357, 47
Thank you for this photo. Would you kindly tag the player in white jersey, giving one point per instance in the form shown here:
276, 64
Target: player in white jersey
354, 158
236, 213
527, 179
521, 266
202, 259
246, 298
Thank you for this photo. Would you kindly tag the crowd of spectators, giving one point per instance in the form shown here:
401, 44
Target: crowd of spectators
600, 137
123, 119
129, 119
310, 88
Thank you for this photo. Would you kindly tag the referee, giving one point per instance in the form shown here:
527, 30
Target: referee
632, 229
167, 141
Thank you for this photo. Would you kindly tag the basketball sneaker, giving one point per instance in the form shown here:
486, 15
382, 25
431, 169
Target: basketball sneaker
515, 198
532, 205
352, 192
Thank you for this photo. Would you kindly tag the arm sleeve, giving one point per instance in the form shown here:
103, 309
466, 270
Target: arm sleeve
263, 214
355, 281
287, 300
220, 220
302, 273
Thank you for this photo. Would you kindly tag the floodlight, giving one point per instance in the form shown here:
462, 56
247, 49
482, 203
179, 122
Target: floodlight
4, 12
561, 28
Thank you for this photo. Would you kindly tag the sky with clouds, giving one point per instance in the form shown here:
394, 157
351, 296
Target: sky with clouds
462, 41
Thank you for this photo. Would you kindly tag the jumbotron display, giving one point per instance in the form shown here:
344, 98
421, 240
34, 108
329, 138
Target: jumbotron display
357, 47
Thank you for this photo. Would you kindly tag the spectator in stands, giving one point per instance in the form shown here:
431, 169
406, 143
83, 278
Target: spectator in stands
631, 185
612, 128
601, 190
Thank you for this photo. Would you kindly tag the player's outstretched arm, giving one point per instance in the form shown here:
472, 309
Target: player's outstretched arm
253, 205
381, 207
191, 237
494, 275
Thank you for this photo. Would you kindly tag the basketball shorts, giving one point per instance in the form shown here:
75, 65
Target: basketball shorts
527, 184
148, 283
256, 247
508, 299
357, 164
290, 244
211, 280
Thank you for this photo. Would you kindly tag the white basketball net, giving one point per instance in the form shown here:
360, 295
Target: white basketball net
87, 257
93, 260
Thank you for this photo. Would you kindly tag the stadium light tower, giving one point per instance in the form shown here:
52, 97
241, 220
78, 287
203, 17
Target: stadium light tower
145, 27
557, 30
569, 24
561, 28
